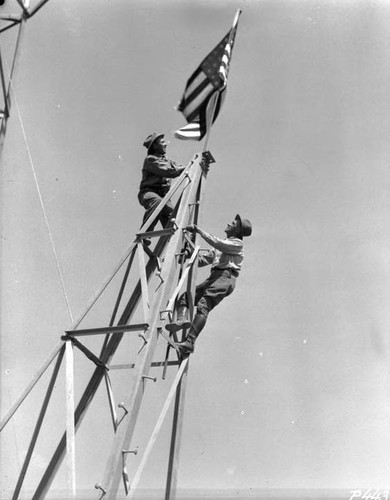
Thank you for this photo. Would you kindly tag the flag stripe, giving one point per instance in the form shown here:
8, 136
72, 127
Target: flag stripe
194, 83
191, 127
196, 92
190, 131
192, 109
193, 76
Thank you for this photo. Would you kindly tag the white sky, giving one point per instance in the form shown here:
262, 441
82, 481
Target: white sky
289, 384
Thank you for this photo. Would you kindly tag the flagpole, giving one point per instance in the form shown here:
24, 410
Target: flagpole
236, 17
235, 23
215, 98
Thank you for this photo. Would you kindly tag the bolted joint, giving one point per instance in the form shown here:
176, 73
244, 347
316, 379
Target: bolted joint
142, 336
125, 412
99, 487
158, 273
134, 452
121, 405
162, 316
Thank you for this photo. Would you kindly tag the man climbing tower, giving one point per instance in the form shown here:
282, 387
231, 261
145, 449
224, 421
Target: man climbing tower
157, 172
226, 259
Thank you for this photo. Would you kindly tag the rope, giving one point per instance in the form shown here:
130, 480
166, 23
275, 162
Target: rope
43, 207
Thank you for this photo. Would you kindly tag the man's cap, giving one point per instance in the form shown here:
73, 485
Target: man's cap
151, 139
246, 226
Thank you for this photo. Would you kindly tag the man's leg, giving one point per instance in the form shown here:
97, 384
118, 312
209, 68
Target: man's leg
182, 310
209, 294
187, 347
181, 315
166, 214
149, 200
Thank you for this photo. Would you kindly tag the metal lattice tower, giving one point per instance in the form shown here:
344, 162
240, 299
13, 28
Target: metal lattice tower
152, 277
161, 274
7, 22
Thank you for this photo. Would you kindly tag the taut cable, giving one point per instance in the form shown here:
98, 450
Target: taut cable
43, 207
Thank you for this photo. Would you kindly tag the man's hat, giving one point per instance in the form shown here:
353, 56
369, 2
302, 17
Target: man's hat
151, 139
246, 226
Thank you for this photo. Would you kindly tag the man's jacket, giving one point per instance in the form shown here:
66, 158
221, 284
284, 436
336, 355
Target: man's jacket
157, 173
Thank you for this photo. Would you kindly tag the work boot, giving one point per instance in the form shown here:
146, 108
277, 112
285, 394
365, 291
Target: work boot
181, 320
188, 346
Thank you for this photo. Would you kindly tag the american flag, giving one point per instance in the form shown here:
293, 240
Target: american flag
206, 89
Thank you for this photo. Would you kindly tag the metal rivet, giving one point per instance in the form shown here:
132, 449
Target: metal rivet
99, 487
142, 336
130, 451
122, 405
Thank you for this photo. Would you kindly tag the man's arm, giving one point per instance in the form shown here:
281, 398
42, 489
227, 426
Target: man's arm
225, 246
162, 167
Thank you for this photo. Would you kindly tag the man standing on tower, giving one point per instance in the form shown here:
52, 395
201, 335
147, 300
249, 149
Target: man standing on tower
157, 172
226, 259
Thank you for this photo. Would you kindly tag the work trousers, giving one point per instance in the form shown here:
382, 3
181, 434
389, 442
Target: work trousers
150, 200
215, 288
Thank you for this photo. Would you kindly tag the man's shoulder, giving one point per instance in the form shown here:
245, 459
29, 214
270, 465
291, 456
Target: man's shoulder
150, 159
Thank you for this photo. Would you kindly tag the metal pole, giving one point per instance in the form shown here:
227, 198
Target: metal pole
3, 86
144, 283
4, 120
157, 428
70, 429
178, 416
214, 105
31, 385
177, 428
37, 7
38, 425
